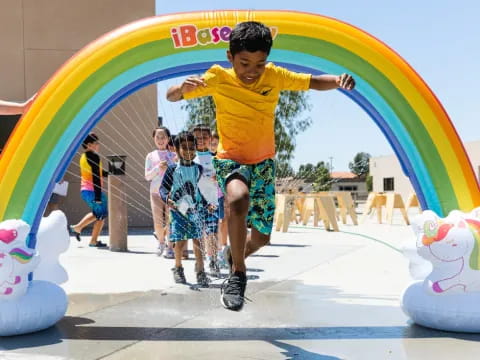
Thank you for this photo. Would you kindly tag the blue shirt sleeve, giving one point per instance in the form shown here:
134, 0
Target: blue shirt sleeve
167, 183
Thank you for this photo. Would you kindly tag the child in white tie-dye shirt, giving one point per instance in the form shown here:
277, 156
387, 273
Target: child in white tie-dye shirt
156, 164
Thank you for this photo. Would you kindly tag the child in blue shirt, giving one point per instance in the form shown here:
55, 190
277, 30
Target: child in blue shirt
180, 191
210, 191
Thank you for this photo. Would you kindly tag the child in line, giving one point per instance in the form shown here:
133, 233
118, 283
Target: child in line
246, 96
222, 233
209, 190
91, 186
170, 254
156, 164
180, 191
15, 108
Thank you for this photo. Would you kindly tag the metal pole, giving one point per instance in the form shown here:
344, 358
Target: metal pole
117, 206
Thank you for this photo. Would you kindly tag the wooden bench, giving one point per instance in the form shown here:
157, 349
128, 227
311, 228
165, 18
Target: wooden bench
346, 207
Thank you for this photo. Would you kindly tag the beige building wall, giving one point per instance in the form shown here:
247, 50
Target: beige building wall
37, 37
360, 193
382, 167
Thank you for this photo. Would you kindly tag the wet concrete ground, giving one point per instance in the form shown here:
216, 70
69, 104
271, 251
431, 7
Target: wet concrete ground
315, 295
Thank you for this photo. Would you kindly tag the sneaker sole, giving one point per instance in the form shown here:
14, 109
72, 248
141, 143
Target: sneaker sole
229, 308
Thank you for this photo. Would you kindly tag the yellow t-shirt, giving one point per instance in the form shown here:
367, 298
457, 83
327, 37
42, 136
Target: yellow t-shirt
245, 113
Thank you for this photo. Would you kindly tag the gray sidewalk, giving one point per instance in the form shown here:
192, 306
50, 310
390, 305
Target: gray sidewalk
315, 295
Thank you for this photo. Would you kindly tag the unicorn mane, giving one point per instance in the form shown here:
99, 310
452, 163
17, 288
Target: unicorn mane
21, 255
474, 226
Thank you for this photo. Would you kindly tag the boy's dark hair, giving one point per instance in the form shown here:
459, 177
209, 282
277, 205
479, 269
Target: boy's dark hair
184, 136
251, 36
91, 138
202, 128
164, 128
215, 134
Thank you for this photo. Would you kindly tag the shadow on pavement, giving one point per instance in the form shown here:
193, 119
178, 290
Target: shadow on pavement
82, 328
295, 352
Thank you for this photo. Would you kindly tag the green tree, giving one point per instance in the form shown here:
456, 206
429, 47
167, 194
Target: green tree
288, 123
323, 181
318, 174
369, 183
200, 111
284, 169
306, 172
360, 165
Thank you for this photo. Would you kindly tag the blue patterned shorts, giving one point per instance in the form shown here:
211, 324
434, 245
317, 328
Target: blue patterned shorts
261, 182
100, 210
184, 227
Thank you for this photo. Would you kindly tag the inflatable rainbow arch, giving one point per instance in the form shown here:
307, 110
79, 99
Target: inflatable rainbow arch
157, 48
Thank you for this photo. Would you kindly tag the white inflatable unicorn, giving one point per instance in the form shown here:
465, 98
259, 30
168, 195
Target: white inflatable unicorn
16, 259
452, 245
27, 306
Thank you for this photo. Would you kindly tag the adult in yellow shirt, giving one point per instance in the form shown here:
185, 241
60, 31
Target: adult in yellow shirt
245, 96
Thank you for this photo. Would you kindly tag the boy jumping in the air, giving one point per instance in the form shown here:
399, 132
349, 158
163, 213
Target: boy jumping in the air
245, 97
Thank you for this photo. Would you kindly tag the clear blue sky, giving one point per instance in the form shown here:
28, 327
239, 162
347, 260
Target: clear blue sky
440, 39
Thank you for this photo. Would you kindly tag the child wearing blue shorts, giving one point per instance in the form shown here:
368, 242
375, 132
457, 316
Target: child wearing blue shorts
209, 189
91, 191
180, 191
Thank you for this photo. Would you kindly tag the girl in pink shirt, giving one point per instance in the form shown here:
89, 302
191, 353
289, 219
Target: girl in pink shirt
156, 164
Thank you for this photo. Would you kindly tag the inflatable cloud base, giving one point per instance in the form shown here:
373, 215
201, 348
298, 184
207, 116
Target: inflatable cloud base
455, 312
42, 306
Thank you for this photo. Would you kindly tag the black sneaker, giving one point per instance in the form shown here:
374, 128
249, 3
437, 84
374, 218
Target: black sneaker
233, 291
227, 255
74, 233
214, 268
178, 275
202, 279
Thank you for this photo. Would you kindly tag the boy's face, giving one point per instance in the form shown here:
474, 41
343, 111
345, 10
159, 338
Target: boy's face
186, 151
248, 66
203, 139
93, 146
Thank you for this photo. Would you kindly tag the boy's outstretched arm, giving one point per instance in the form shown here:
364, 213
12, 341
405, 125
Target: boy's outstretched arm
329, 82
175, 92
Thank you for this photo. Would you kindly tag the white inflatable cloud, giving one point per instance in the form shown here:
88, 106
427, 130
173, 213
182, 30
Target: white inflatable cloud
52, 240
